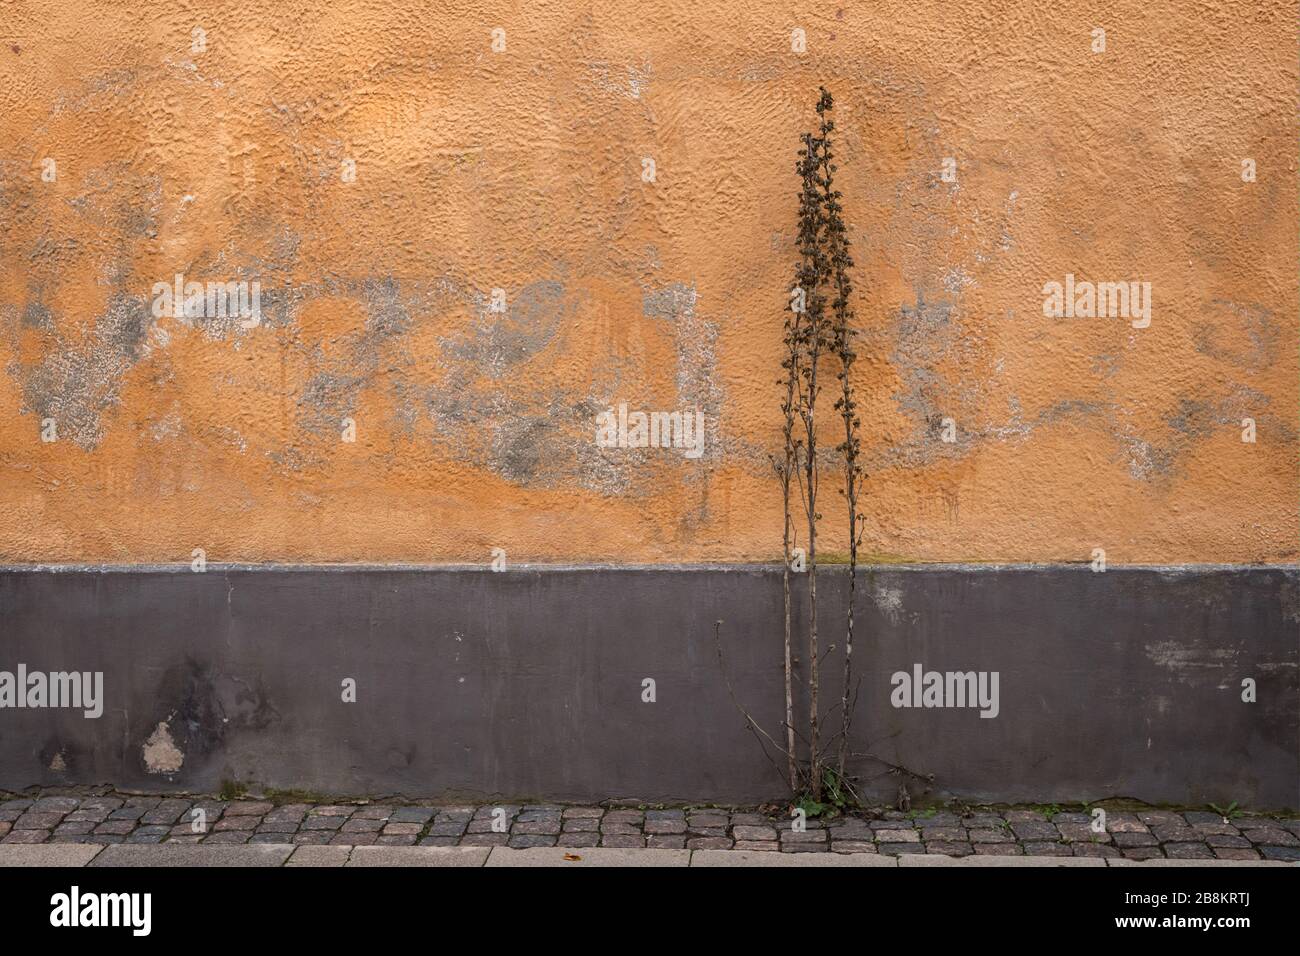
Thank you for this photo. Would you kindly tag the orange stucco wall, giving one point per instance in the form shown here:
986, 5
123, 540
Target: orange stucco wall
522, 170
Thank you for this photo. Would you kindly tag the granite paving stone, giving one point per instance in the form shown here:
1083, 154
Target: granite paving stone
323, 822
1280, 852
579, 839
1028, 830
228, 822
848, 846
55, 804
39, 820
949, 848
1272, 836
1082, 833
1134, 839
167, 812
119, 827
1187, 851
356, 825
943, 834
708, 843
1229, 853
412, 815
1035, 848
624, 840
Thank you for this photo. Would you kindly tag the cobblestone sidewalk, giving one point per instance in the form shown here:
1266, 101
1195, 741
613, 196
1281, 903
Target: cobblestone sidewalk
1135, 834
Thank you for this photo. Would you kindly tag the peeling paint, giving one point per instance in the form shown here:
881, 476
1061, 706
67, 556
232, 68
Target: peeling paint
160, 753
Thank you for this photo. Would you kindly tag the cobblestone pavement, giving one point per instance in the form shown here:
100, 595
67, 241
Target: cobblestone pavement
1134, 834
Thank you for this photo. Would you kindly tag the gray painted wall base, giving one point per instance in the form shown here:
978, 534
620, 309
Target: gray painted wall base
528, 684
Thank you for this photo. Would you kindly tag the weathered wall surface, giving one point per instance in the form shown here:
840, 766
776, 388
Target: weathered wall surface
522, 170
530, 684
